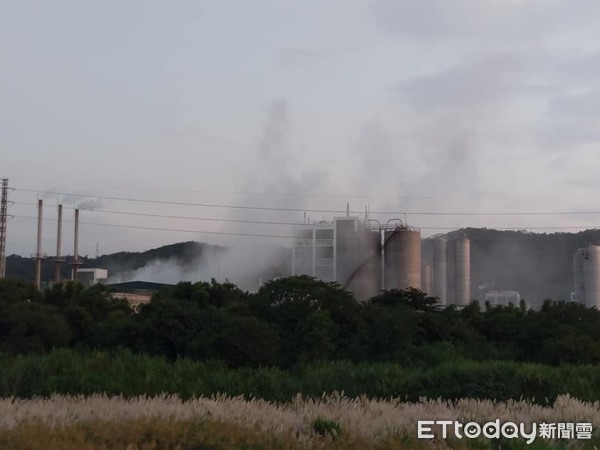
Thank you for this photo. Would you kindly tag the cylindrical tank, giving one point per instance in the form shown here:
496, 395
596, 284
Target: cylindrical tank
451, 273
402, 259
365, 281
462, 271
427, 279
591, 276
440, 277
578, 287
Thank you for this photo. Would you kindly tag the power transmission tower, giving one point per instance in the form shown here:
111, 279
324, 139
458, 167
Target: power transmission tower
3, 219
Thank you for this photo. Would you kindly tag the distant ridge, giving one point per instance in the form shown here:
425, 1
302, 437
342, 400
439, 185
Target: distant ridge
120, 262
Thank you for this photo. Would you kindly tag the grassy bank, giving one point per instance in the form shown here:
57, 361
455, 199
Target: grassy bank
128, 374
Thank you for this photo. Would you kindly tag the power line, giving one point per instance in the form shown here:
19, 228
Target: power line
175, 203
330, 195
168, 216
334, 211
266, 222
176, 230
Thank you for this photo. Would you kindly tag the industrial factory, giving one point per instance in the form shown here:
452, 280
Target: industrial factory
366, 256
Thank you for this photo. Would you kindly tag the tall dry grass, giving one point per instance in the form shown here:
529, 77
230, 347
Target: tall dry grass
361, 418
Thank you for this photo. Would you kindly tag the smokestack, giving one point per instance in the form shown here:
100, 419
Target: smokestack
347, 209
58, 245
38, 254
75, 262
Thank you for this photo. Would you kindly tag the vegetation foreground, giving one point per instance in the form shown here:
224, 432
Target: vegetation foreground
70, 372
102, 422
155, 377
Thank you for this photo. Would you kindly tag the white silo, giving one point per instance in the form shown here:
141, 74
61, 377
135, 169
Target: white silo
591, 276
462, 271
578, 285
440, 283
427, 279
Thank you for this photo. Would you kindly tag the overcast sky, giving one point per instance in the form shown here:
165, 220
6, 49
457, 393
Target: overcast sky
417, 106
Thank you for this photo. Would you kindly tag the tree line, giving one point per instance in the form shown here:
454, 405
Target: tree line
290, 322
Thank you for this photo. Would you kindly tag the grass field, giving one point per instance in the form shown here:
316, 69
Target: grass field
167, 422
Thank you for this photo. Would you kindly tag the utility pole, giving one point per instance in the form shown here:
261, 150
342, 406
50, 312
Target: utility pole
3, 220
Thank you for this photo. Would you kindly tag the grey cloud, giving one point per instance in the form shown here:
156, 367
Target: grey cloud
581, 105
579, 69
511, 21
571, 120
474, 83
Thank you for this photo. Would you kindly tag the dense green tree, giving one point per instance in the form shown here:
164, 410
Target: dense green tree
32, 327
248, 341
292, 321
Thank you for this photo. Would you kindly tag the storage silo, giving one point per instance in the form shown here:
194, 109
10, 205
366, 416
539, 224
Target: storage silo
462, 271
451, 273
365, 281
440, 277
427, 279
402, 258
591, 276
578, 285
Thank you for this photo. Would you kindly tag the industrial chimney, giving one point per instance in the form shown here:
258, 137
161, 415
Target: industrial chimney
38, 253
75, 263
58, 261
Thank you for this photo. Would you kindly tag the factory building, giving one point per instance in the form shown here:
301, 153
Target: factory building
89, 277
586, 276
313, 252
447, 269
359, 256
503, 298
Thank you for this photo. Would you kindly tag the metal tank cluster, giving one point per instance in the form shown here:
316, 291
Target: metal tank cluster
366, 257
447, 269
